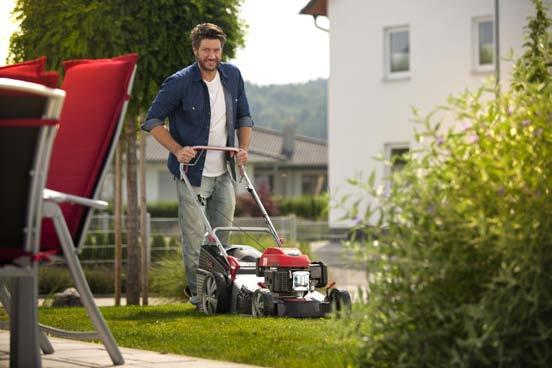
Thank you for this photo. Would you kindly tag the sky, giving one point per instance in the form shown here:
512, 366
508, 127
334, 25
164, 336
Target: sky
281, 46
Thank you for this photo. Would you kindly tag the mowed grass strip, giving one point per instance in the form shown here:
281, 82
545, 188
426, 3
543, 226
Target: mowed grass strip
178, 329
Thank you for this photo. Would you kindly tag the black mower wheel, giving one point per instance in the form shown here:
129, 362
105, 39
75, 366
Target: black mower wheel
216, 294
340, 301
263, 303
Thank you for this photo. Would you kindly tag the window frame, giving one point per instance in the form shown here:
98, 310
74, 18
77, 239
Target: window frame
476, 62
388, 155
388, 73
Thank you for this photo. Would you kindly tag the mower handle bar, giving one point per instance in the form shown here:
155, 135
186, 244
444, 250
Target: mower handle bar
250, 229
216, 148
202, 149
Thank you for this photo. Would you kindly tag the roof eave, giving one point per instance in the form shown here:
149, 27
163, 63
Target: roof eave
316, 8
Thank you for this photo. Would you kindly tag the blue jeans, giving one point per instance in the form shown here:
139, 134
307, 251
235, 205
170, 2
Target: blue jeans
219, 201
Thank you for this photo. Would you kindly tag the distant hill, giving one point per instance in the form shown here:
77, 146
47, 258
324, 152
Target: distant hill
304, 103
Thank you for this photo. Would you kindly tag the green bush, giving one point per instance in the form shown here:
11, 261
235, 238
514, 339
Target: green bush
309, 207
101, 280
54, 279
163, 209
158, 241
461, 254
247, 206
167, 277
155, 209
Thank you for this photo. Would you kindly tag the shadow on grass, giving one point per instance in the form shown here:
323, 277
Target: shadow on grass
153, 313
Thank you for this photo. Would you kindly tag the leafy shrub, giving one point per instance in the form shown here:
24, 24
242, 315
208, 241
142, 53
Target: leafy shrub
158, 241
246, 205
309, 207
155, 209
163, 209
167, 277
175, 242
54, 279
461, 253
101, 280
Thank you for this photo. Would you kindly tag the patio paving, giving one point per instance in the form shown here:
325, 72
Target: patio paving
72, 353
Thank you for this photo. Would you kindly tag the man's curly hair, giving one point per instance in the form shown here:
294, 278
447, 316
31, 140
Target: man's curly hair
207, 30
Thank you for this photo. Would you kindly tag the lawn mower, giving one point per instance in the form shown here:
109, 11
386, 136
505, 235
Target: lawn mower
240, 279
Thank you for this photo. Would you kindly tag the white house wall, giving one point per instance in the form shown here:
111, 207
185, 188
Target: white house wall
366, 111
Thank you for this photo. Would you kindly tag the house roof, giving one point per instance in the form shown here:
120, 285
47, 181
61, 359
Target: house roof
316, 7
265, 148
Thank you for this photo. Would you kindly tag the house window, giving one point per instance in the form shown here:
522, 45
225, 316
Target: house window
398, 158
483, 43
313, 184
397, 52
395, 154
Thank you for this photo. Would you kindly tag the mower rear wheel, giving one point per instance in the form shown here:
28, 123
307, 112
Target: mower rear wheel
263, 303
340, 301
216, 296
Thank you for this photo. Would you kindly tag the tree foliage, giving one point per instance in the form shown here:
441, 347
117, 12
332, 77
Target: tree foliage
156, 29
303, 103
461, 257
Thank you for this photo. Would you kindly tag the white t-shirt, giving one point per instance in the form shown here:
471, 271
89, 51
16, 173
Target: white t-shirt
215, 164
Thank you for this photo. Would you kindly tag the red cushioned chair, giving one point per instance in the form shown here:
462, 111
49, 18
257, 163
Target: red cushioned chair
28, 118
90, 125
31, 71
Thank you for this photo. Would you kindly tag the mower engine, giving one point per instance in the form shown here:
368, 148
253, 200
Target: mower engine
289, 273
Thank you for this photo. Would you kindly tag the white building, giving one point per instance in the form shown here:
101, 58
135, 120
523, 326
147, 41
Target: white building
388, 56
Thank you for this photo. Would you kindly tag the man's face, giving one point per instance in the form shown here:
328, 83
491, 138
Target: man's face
208, 54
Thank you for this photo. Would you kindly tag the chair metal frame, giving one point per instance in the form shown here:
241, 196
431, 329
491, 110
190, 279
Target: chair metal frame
22, 304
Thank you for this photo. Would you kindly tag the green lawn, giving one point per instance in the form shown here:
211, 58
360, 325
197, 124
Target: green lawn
178, 329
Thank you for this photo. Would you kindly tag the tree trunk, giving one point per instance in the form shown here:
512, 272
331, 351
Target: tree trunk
133, 247
144, 221
117, 213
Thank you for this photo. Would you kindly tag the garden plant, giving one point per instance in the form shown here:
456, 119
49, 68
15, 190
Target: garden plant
460, 249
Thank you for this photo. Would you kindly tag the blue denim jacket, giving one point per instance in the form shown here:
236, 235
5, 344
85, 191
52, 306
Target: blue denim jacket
184, 99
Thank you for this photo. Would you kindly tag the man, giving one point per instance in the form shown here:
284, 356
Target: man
206, 104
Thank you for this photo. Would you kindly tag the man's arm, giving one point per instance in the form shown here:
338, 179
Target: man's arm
165, 102
244, 137
162, 135
244, 124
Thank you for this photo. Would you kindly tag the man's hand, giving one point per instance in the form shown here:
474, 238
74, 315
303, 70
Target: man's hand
185, 154
242, 157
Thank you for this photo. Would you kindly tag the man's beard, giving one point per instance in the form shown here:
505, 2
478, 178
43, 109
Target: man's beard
205, 66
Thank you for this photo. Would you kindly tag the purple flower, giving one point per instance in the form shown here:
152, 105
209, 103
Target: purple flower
537, 132
473, 138
440, 140
526, 122
501, 190
431, 210
466, 126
